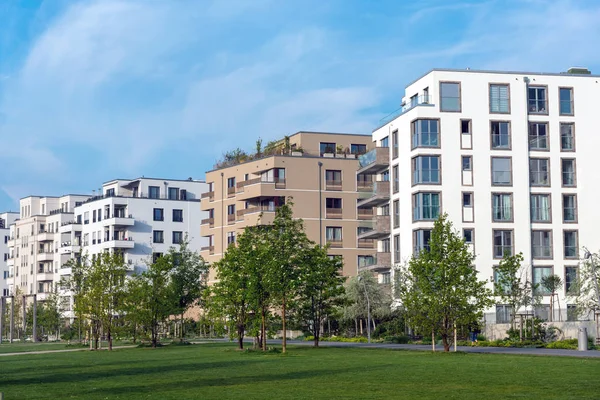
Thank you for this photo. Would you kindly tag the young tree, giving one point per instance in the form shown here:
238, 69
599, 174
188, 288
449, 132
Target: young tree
442, 286
585, 290
512, 286
552, 284
321, 287
356, 298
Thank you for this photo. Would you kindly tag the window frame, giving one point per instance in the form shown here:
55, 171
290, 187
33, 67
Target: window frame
574, 290
162, 236
495, 121
572, 125
396, 214
551, 247
396, 245
512, 207
562, 173
576, 232
574, 221
162, 214
415, 197
512, 244
531, 213
395, 144
180, 237
415, 233
547, 103
507, 85
414, 162
530, 124
509, 158
537, 292
572, 101
413, 130
395, 178
441, 83
470, 133
150, 192
549, 169
173, 215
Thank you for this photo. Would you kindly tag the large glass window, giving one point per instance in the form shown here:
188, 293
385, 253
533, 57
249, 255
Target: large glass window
499, 99
502, 207
467, 163
537, 100
158, 214
177, 215
568, 172
426, 170
421, 239
173, 193
541, 242
503, 314
333, 177
396, 213
569, 208
358, 149
540, 208
426, 206
538, 136
396, 249
177, 237
571, 280
395, 144
539, 273
327, 148
154, 192
571, 244
501, 171
425, 133
503, 243
450, 96
500, 131
567, 136
539, 171
333, 233
566, 101
157, 237
384, 142
396, 176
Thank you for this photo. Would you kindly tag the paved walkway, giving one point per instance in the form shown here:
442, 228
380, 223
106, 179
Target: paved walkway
22, 353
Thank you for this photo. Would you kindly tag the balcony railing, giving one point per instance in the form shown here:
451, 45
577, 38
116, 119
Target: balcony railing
240, 185
363, 186
210, 221
366, 243
335, 213
208, 195
210, 249
365, 213
333, 185
335, 243
257, 209
374, 161
378, 196
231, 191
230, 218
424, 100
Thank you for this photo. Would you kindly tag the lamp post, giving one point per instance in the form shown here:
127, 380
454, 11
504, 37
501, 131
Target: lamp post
320, 204
360, 279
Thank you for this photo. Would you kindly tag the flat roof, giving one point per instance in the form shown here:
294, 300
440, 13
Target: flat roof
330, 133
483, 71
154, 179
55, 197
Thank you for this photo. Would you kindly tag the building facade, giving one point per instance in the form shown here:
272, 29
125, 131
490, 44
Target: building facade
248, 193
508, 155
6, 219
139, 218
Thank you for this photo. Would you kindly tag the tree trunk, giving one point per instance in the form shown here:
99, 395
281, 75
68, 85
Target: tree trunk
241, 336
263, 329
181, 333
284, 342
445, 342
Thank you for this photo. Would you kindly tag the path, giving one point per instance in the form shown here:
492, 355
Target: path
60, 351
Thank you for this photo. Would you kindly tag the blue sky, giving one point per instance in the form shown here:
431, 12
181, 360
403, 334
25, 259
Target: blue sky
96, 90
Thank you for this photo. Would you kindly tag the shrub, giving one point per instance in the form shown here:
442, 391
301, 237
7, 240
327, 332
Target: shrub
568, 344
401, 339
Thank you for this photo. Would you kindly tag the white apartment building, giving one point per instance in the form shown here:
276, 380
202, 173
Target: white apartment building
6, 219
140, 218
509, 156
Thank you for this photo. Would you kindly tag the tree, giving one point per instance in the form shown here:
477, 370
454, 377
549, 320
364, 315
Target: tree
441, 286
321, 287
356, 302
585, 289
552, 284
186, 284
512, 286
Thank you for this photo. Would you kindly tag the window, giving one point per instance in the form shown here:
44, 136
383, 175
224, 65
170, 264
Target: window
154, 192
426, 206
500, 131
100, 215
450, 96
566, 101
571, 244
231, 183
540, 273
540, 208
567, 137
111, 192
327, 148
571, 280
396, 176
572, 313
386, 278
542, 311
503, 242
366, 261
157, 237
465, 126
539, 171
502, 207
183, 194
333, 177
231, 209
173, 193
93, 217
230, 238
358, 149
396, 213
385, 209
536, 100
541, 242
469, 236
333, 203
421, 239
538, 136
503, 314
502, 287
467, 163
156, 256
395, 144
177, 215
158, 214
177, 237
385, 176
569, 177
333, 234
569, 208
467, 199
86, 218
385, 245
396, 249
501, 171
499, 99
425, 133
426, 170
384, 142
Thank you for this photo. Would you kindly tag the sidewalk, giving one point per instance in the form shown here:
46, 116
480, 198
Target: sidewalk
60, 351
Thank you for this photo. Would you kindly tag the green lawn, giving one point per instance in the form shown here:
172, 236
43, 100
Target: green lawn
19, 347
218, 371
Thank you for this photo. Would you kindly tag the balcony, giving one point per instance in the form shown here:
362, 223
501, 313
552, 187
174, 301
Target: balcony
208, 221
378, 228
72, 226
374, 161
366, 243
45, 256
380, 263
208, 195
231, 191
43, 296
120, 220
365, 213
379, 196
364, 186
44, 236
210, 249
258, 215
424, 100
333, 213
241, 185
70, 247
333, 185
254, 188
120, 243
335, 243
45, 275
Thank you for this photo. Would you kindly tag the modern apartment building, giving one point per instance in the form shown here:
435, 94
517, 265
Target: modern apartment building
139, 218
509, 156
317, 170
6, 219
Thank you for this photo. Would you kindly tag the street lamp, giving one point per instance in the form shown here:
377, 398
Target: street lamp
360, 279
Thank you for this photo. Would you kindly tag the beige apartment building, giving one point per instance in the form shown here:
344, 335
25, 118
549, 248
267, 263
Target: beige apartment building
316, 170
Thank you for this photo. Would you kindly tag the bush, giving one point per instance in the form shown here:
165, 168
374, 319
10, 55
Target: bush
568, 344
402, 339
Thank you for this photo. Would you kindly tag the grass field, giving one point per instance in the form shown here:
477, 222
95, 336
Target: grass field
218, 371
27, 347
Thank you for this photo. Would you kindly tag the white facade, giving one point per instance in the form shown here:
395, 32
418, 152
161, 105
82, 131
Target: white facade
139, 217
516, 122
6, 219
